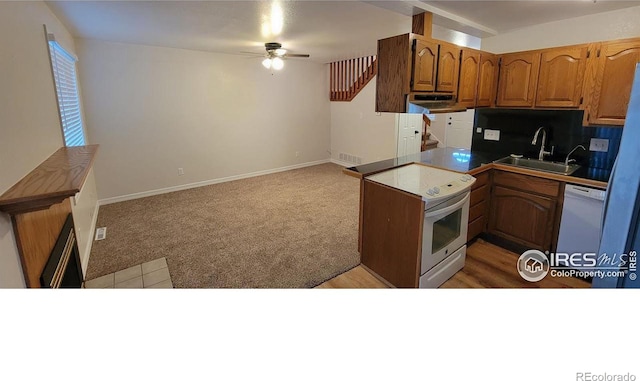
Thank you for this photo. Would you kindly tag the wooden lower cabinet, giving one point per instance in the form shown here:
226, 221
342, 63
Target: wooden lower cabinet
522, 217
525, 210
392, 234
478, 205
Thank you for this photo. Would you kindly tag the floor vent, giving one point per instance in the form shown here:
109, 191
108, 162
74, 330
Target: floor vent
101, 233
350, 158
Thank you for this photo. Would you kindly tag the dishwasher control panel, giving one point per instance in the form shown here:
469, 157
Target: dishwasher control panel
577, 190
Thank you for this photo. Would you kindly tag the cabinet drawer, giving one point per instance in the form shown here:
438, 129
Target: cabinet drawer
529, 183
477, 210
475, 227
481, 179
479, 195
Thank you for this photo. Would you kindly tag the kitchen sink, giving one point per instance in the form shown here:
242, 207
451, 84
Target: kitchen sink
546, 166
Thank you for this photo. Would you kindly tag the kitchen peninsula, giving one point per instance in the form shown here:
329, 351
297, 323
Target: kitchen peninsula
501, 193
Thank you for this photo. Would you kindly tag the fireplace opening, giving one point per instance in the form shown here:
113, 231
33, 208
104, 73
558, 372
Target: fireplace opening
63, 269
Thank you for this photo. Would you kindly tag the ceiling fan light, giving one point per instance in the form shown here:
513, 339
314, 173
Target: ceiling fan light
281, 52
277, 18
278, 63
267, 63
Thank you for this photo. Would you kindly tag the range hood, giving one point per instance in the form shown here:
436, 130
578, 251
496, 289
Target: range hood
435, 103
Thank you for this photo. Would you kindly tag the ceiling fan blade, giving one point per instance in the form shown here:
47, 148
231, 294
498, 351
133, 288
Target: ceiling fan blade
253, 53
288, 55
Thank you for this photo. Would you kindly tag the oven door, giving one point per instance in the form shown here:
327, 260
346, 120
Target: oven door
444, 230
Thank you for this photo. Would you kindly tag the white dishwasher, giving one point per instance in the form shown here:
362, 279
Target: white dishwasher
580, 225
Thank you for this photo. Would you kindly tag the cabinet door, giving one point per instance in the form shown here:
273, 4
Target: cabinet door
487, 79
518, 77
468, 86
611, 87
425, 65
448, 68
522, 217
561, 77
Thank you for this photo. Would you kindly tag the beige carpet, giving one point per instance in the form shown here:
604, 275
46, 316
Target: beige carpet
291, 229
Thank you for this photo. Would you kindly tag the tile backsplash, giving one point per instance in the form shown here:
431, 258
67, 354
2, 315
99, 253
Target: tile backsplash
564, 132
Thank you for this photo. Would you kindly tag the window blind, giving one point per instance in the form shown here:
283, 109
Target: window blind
64, 73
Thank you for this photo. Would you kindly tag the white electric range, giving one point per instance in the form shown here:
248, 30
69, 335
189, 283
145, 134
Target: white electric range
446, 216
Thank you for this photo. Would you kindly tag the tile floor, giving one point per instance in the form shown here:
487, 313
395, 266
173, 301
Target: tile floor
153, 274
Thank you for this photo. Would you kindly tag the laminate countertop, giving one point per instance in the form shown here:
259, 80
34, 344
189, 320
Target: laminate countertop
474, 162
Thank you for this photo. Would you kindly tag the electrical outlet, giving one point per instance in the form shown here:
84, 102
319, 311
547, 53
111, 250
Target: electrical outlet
599, 145
180, 171
378, 113
492, 135
297, 153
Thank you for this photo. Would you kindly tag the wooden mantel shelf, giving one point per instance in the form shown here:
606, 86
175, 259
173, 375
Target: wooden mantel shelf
57, 178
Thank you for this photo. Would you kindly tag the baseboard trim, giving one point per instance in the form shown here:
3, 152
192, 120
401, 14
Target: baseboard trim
345, 164
133, 196
85, 259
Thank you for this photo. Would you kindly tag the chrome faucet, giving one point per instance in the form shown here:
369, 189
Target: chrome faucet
567, 160
542, 153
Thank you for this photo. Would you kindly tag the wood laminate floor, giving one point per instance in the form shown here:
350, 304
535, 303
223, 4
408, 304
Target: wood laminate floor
486, 266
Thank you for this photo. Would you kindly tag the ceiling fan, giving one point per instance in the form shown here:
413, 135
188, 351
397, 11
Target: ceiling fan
275, 55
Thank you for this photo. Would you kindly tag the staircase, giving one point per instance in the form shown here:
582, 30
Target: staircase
348, 77
427, 142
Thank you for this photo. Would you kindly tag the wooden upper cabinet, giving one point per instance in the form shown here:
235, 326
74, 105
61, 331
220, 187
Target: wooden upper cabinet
487, 79
469, 72
610, 86
561, 77
518, 78
394, 73
425, 65
448, 68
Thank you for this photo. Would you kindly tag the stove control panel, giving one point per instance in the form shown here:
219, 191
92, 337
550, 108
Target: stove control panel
450, 188
430, 183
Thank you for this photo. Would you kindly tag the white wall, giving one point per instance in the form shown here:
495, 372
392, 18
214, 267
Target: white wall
455, 37
357, 130
29, 122
458, 134
612, 25
154, 110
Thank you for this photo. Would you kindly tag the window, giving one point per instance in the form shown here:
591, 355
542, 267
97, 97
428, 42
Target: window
64, 72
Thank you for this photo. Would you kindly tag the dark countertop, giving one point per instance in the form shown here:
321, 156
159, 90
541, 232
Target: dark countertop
596, 174
462, 160
454, 159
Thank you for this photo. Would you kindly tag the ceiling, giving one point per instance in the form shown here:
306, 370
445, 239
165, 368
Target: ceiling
327, 30
503, 16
